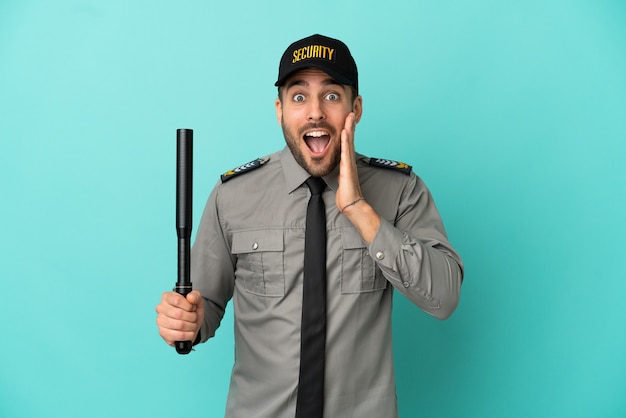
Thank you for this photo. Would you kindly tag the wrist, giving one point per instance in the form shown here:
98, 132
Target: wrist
354, 202
364, 218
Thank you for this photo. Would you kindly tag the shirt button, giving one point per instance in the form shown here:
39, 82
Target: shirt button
380, 255
406, 284
255, 246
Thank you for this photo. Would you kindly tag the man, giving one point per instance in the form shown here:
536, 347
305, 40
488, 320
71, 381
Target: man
383, 233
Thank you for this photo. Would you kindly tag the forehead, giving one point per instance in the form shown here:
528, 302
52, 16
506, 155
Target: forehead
310, 76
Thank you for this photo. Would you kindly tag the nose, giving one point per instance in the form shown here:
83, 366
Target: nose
316, 110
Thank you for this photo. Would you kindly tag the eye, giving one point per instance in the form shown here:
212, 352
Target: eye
332, 97
298, 97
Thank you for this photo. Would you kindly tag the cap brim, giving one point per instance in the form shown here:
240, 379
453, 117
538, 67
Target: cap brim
338, 77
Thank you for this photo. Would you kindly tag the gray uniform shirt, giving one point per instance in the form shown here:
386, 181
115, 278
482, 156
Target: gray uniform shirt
250, 247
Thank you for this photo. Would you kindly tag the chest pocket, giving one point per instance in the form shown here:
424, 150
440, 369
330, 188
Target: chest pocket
260, 261
358, 270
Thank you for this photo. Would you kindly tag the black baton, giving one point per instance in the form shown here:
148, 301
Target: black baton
184, 176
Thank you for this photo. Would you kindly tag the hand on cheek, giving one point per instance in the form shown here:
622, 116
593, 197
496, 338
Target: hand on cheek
349, 188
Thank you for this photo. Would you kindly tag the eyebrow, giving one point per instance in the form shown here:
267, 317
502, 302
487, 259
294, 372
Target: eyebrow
301, 82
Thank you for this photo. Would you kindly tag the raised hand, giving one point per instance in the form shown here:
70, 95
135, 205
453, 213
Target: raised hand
349, 199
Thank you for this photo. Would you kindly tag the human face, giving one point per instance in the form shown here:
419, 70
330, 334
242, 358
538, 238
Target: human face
312, 110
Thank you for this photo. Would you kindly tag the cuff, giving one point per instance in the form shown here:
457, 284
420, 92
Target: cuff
386, 244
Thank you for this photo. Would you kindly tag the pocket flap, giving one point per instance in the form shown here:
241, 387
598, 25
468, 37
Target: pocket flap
257, 241
351, 239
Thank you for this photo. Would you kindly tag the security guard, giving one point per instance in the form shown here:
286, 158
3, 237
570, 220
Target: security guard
383, 231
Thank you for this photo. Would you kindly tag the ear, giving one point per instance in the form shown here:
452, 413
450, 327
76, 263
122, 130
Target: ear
357, 108
279, 111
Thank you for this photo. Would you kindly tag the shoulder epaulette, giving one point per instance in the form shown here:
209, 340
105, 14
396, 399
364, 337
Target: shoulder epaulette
242, 169
395, 165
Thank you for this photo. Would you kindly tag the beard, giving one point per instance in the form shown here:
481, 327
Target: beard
316, 167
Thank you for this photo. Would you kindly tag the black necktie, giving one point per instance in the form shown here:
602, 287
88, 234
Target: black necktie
310, 402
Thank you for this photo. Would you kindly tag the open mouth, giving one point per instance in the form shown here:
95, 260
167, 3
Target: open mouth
317, 141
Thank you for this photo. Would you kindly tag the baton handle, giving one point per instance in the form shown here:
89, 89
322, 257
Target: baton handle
184, 183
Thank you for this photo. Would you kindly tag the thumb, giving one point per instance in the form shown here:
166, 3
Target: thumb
194, 297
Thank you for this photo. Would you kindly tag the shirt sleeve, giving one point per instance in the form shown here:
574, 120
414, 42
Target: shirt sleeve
212, 267
415, 256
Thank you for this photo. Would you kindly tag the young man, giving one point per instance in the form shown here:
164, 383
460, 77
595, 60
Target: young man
383, 233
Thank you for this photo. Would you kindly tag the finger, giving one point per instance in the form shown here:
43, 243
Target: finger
346, 142
348, 134
175, 324
171, 336
172, 329
175, 313
350, 122
177, 300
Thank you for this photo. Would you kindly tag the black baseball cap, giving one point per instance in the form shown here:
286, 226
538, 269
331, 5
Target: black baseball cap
317, 51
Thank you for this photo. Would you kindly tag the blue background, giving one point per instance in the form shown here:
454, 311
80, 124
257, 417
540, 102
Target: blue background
514, 113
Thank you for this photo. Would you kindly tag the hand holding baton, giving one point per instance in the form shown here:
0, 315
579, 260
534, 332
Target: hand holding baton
184, 176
